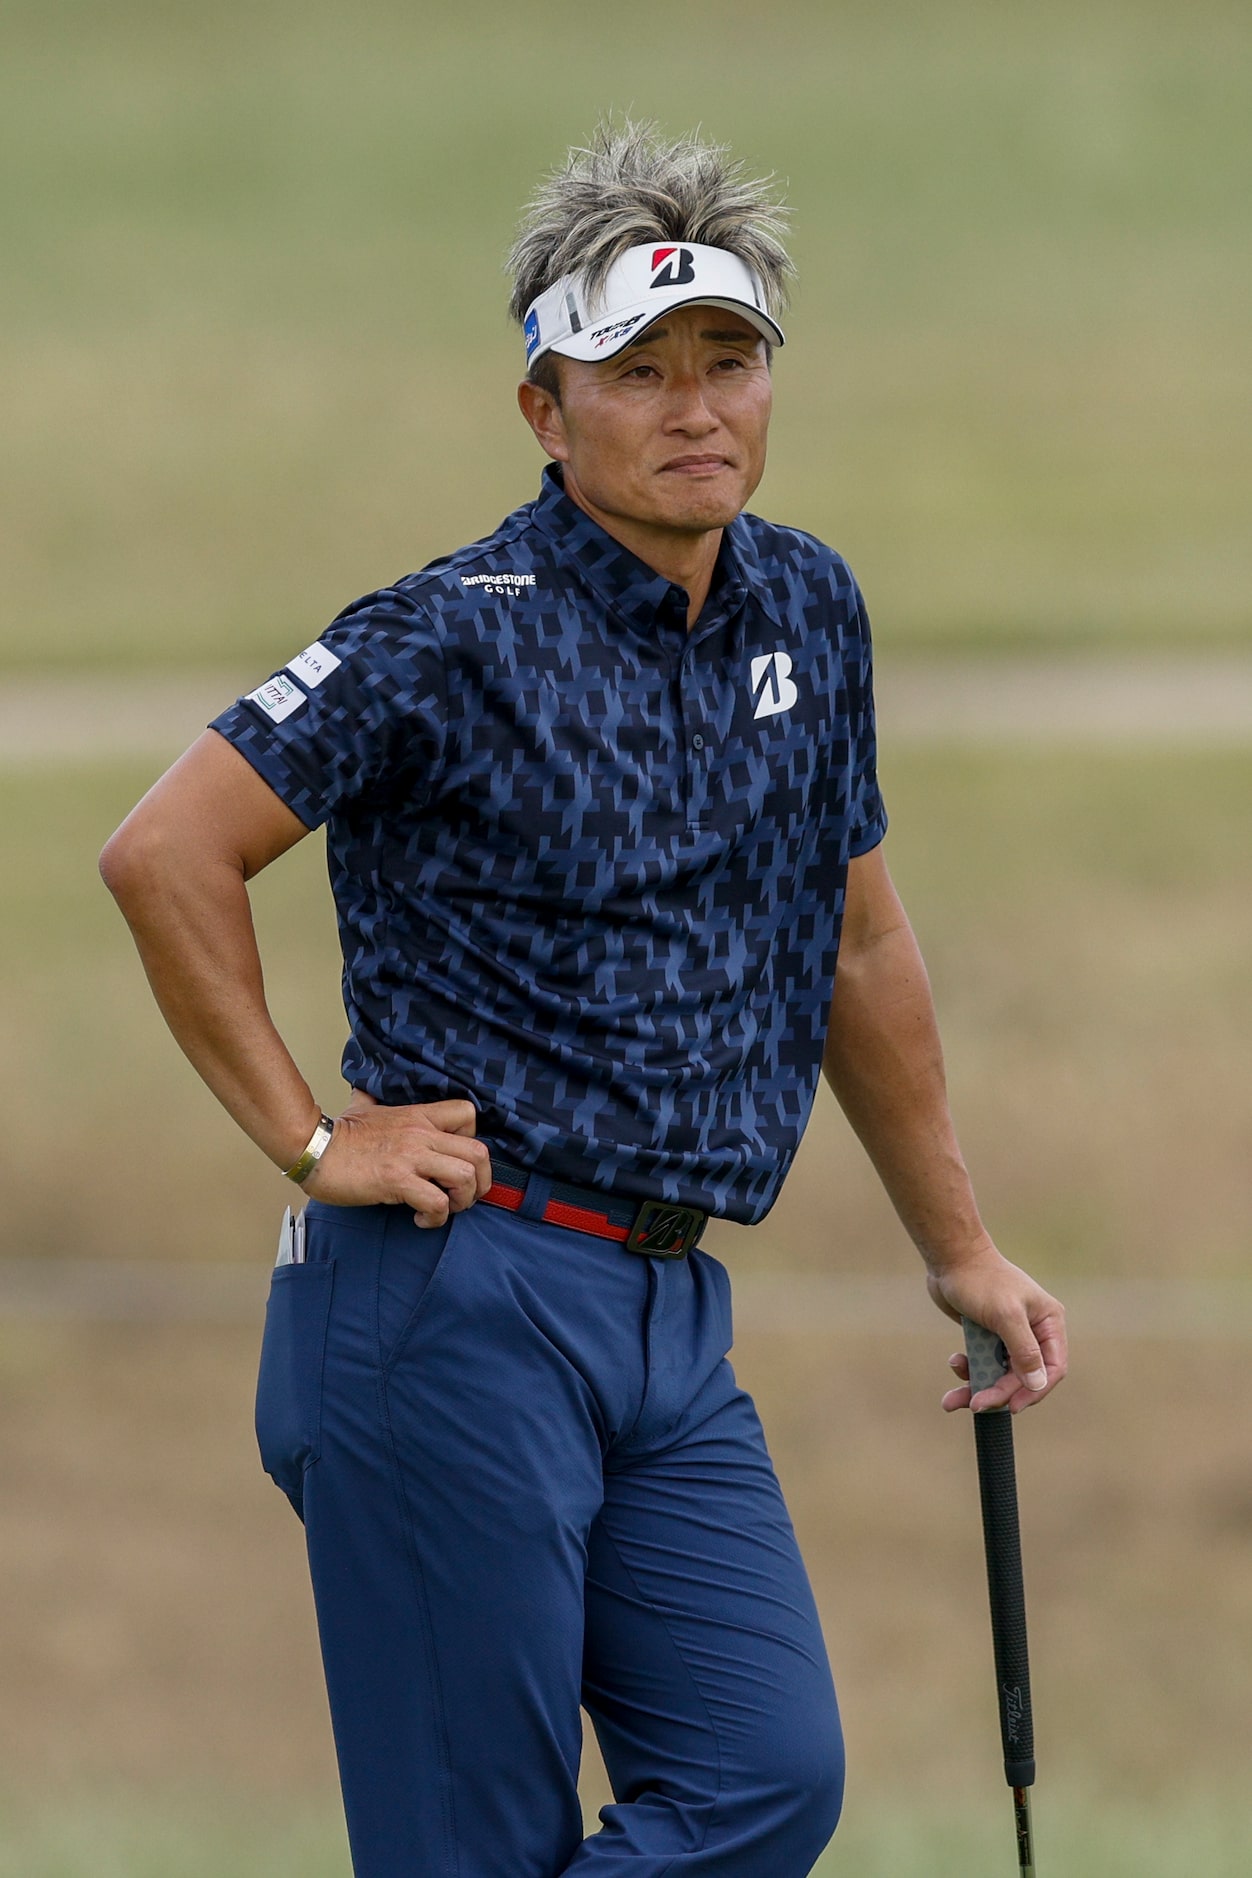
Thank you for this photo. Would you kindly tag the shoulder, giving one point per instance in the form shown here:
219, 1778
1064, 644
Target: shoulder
504, 564
424, 612
793, 559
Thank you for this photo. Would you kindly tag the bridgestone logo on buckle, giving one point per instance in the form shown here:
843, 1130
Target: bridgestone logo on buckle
662, 1231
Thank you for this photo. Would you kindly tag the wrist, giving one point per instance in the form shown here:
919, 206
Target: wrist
310, 1154
960, 1251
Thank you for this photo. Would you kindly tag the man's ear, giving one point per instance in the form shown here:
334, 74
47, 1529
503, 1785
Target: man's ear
543, 414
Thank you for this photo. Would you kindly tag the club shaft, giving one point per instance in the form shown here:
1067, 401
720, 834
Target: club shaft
1025, 1833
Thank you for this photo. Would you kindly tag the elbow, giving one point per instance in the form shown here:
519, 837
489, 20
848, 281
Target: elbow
153, 859
118, 863
134, 860
854, 969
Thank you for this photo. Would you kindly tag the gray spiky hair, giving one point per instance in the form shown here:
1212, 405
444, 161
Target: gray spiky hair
630, 185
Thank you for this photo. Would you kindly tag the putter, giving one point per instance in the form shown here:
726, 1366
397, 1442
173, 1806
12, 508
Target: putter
997, 1487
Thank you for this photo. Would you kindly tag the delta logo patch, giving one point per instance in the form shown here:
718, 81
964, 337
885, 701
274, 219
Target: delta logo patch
672, 267
314, 663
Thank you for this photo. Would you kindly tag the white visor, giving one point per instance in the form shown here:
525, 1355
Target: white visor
643, 284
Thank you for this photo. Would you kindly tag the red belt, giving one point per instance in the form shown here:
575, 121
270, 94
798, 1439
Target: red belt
653, 1228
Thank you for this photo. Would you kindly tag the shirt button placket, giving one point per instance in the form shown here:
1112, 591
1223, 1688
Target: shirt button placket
697, 751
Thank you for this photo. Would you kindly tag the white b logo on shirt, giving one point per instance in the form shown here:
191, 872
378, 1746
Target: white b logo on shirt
772, 684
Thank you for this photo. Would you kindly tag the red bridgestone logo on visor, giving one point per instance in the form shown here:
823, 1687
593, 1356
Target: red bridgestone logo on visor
672, 267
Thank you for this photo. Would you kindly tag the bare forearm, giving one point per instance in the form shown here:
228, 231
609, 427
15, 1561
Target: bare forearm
884, 1061
885, 1064
193, 928
178, 868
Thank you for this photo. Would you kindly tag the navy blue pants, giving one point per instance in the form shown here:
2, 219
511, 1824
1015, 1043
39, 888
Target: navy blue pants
529, 1481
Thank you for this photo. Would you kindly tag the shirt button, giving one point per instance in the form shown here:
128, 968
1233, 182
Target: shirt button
697, 742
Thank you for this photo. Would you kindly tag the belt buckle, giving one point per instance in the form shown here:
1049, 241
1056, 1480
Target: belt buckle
664, 1231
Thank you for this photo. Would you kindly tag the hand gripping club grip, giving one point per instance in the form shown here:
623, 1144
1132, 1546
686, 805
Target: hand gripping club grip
997, 1486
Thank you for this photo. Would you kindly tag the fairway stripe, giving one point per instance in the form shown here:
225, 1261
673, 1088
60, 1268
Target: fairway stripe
1101, 699
799, 1302
134, 1291
1129, 698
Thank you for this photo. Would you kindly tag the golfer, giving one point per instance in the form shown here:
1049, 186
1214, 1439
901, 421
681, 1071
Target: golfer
605, 841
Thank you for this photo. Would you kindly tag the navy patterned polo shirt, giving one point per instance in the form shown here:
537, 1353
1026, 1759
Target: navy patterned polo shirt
589, 866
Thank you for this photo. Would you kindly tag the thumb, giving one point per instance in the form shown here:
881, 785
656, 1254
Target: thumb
1026, 1359
453, 1115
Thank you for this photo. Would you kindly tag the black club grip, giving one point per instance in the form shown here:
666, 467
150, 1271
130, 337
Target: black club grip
997, 1487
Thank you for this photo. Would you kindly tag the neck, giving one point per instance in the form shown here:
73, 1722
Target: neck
686, 559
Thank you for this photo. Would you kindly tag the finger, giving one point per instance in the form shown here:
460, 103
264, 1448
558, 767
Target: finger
1050, 1333
1009, 1393
464, 1149
458, 1177
451, 1117
955, 1399
999, 1395
960, 1363
1054, 1344
469, 1150
430, 1204
1029, 1371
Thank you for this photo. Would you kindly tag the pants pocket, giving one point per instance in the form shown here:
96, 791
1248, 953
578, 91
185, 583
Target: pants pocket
414, 1262
289, 1380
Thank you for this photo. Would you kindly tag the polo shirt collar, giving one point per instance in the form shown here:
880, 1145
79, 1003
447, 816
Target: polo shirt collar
629, 588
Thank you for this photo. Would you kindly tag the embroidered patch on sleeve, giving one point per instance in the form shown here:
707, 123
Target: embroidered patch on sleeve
314, 663
278, 697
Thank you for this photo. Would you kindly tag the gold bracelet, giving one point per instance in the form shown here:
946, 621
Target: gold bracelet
300, 1170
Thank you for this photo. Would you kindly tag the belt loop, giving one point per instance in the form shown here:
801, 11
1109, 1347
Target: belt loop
535, 1199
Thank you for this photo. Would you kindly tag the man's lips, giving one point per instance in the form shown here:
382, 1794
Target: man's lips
695, 465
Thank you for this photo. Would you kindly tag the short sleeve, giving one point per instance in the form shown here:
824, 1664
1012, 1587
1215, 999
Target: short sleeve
867, 817
359, 713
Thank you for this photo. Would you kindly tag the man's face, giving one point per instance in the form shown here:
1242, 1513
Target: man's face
670, 433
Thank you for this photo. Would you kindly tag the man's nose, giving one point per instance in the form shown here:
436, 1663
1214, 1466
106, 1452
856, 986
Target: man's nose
688, 407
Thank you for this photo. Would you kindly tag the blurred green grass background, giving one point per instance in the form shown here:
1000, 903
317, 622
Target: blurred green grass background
255, 361
257, 357
197, 1841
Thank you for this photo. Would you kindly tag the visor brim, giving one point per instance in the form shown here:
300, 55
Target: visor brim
616, 331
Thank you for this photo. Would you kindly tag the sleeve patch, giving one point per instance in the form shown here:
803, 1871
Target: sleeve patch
278, 698
314, 663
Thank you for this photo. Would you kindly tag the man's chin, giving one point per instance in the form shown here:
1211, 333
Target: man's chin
689, 509
697, 509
